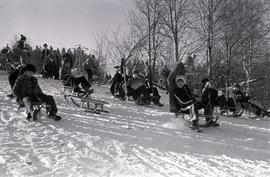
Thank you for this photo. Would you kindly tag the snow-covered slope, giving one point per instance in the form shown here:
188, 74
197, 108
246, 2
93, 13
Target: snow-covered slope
129, 141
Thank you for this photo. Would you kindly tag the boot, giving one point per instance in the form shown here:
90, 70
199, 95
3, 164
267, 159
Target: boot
34, 114
55, 117
211, 123
29, 116
158, 104
194, 126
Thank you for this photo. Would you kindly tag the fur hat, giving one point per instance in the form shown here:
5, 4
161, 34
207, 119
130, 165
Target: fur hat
29, 67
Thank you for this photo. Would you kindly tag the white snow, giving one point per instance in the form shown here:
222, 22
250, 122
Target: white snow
132, 141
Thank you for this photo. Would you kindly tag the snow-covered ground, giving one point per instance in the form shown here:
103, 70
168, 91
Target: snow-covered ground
129, 141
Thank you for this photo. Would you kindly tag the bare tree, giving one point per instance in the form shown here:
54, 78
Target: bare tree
175, 26
207, 22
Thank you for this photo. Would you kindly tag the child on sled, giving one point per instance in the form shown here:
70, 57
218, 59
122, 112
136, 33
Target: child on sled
74, 80
27, 92
187, 103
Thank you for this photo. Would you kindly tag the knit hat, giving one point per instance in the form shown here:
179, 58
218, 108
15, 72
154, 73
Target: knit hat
180, 77
188, 59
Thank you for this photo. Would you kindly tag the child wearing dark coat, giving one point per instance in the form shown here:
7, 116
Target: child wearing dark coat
69, 80
186, 102
27, 91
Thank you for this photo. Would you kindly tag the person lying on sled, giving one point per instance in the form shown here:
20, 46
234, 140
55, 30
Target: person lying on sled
73, 79
27, 91
186, 102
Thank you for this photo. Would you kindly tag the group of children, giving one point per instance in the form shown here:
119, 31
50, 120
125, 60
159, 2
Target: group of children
136, 87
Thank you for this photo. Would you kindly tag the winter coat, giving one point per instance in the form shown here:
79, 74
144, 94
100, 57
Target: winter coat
168, 73
20, 45
45, 53
26, 86
65, 73
88, 65
184, 94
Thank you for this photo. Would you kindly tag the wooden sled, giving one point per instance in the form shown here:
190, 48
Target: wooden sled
186, 111
88, 104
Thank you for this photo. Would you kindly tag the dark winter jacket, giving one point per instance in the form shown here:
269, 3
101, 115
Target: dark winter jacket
20, 45
183, 96
88, 66
45, 53
168, 73
26, 86
65, 73
50, 65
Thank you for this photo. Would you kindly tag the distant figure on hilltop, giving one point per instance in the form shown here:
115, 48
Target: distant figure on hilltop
45, 52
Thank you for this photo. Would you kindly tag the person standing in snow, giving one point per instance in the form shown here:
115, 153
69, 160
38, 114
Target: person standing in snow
16, 57
169, 72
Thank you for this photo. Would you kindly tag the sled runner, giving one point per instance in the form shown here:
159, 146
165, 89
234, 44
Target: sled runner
85, 101
186, 117
186, 110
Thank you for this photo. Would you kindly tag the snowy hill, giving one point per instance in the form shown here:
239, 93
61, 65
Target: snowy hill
129, 141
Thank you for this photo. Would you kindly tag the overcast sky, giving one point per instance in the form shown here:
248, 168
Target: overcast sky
60, 22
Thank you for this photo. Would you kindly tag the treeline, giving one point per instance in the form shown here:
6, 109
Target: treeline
229, 37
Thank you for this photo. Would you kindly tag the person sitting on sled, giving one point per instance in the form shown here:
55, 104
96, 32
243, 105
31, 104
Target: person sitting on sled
186, 102
27, 91
216, 97
117, 84
138, 88
72, 78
